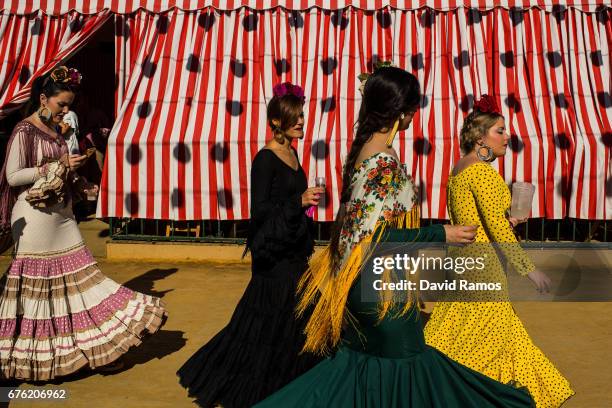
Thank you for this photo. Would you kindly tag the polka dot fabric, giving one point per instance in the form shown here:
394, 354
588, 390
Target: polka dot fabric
479, 196
488, 336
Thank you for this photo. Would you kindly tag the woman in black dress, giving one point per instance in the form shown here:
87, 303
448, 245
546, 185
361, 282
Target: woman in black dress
258, 351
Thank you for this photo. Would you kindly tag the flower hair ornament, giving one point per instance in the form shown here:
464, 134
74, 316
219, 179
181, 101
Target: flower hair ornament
487, 104
59, 75
364, 76
287, 88
65, 75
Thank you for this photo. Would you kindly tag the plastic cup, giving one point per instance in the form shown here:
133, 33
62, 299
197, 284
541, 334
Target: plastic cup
522, 198
320, 182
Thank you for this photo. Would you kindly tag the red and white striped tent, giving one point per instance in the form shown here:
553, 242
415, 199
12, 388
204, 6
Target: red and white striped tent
193, 78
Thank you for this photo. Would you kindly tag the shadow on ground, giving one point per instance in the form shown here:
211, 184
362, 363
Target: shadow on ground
156, 346
145, 282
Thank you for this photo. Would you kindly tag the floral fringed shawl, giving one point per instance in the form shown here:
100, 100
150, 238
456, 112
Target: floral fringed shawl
383, 196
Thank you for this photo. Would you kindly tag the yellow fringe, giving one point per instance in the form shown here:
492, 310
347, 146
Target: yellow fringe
389, 141
328, 291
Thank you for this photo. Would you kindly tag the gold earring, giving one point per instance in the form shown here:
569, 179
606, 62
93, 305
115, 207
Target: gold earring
392, 134
485, 157
44, 117
278, 135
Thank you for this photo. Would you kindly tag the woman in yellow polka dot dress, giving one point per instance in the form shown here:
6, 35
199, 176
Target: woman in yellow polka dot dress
488, 336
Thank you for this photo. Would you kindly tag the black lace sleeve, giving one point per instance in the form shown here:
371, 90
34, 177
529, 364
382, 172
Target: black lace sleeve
277, 226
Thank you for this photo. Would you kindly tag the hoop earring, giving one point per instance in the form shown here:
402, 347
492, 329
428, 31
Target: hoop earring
488, 156
44, 117
278, 136
393, 132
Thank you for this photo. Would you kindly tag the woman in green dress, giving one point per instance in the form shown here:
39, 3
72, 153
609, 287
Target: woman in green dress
377, 356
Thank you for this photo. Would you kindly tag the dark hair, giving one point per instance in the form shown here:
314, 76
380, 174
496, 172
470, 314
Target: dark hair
388, 93
286, 109
45, 85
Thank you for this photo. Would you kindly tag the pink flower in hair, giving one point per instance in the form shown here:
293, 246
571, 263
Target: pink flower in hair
74, 76
287, 88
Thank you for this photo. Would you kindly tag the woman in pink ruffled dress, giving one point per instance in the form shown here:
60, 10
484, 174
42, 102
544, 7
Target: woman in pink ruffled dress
58, 312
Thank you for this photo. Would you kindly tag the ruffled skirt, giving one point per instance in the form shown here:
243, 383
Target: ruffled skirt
258, 352
428, 379
59, 313
489, 337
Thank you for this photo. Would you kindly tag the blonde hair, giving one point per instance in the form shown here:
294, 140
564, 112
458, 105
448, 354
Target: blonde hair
475, 126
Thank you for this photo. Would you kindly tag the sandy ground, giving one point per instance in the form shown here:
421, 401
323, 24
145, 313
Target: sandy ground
200, 298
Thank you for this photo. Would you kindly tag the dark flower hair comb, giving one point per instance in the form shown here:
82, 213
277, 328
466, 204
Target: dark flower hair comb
65, 75
287, 88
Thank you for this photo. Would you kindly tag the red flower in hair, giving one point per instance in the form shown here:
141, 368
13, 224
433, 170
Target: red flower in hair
486, 104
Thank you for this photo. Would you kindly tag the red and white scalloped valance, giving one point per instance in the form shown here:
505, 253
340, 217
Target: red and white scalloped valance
55, 7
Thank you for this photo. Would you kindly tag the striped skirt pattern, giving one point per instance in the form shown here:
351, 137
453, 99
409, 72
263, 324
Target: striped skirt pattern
59, 313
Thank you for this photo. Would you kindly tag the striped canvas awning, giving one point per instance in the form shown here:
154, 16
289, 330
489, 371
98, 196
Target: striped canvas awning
194, 77
55, 7
32, 45
192, 90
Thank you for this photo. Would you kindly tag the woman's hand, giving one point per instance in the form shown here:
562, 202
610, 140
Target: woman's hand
91, 191
516, 221
64, 128
91, 188
460, 234
312, 196
43, 170
76, 160
540, 280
